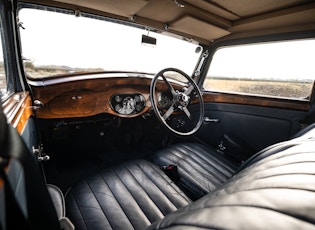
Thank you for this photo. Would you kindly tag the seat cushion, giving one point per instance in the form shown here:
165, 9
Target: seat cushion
200, 168
130, 196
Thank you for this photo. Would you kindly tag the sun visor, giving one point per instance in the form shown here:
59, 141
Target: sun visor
202, 29
119, 7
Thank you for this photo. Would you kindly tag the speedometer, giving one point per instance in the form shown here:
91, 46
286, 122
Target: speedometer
128, 105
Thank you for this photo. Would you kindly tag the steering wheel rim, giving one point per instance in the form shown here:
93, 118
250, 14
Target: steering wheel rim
180, 101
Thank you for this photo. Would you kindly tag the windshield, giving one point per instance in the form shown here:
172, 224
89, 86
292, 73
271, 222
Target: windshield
55, 43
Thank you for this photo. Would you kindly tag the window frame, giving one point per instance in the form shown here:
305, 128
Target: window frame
248, 41
15, 78
9, 86
253, 83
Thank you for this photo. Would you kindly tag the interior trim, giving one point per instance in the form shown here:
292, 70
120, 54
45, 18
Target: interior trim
281, 103
200, 28
18, 109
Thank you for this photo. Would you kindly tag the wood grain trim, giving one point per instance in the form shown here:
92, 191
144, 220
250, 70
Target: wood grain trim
301, 105
49, 92
93, 96
18, 109
82, 104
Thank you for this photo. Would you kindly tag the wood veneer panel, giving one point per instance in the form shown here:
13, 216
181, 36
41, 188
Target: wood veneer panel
18, 109
256, 100
89, 97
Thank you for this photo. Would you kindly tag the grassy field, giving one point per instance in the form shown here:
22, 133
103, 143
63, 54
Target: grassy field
290, 89
2, 77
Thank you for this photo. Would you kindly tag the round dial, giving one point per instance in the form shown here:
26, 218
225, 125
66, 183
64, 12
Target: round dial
118, 108
118, 98
128, 105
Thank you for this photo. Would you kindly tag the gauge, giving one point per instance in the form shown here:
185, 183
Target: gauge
118, 108
118, 98
139, 102
137, 98
128, 105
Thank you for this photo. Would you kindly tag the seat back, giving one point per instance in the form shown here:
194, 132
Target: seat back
22, 188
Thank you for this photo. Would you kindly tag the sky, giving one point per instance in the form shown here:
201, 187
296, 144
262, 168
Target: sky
286, 60
76, 42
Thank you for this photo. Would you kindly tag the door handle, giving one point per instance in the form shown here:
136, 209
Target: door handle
209, 120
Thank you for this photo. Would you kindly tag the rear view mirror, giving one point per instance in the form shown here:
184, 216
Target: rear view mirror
148, 41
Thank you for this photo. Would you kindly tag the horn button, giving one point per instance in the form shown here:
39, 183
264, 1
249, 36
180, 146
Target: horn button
182, 99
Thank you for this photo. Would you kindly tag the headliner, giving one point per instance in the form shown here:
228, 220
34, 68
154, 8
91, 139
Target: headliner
205, 20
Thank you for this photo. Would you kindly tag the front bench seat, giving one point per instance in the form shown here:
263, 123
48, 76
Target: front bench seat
201, 169
130, 196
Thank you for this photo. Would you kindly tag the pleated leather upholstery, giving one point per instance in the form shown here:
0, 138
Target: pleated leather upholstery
130, 196
200, 168
277, 192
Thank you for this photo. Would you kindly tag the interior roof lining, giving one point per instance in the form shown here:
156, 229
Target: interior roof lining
222, 15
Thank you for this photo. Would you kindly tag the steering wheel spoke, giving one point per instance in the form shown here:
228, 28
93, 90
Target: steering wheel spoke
189, 90
186, 111
168, 113
170, 87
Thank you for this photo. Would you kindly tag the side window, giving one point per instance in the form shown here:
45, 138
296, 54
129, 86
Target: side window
3, 79
279, 69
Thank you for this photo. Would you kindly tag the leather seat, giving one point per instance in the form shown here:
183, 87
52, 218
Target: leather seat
27, 202
275, 192
130, 196
200, 168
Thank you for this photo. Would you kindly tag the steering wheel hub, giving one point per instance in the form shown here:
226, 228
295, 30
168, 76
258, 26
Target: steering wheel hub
182, 99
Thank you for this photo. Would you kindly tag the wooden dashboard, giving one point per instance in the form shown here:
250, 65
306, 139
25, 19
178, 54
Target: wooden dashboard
88, 97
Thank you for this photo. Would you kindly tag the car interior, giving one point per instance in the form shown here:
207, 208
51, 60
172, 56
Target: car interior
157, 114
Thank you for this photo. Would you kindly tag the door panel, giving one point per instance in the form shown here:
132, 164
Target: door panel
29, 134
254, 126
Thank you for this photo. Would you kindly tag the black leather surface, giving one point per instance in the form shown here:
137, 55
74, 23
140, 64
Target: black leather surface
277, 192
130, 196
41, 213
57, 199
200, 168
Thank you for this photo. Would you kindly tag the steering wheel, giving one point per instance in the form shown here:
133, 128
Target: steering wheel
171, 105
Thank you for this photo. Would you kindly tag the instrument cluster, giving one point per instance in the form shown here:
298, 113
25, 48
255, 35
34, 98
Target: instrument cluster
127, 104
